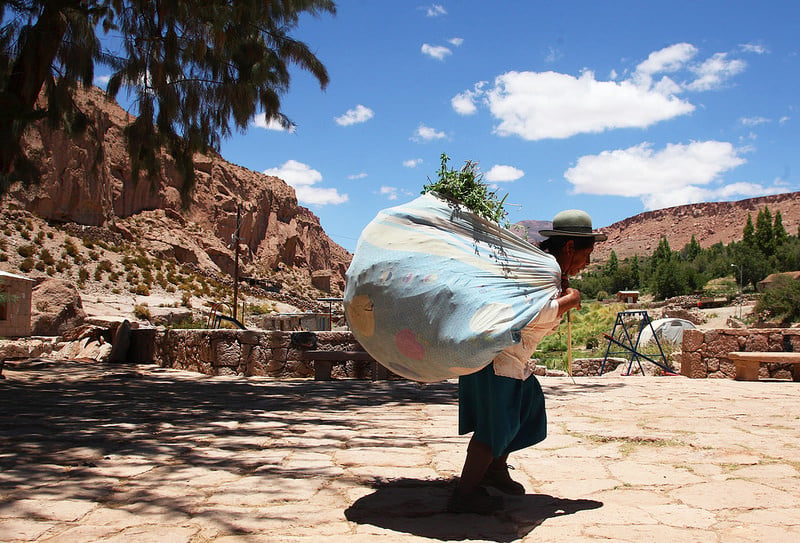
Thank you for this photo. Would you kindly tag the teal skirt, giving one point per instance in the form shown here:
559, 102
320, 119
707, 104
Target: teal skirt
504, 413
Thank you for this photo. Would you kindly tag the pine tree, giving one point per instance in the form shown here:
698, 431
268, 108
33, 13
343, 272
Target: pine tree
197, 70
764, 237
692, 249
748, 233
778, 230
612, 266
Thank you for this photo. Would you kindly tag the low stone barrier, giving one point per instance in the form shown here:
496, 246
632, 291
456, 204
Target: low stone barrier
249, 352
705, 353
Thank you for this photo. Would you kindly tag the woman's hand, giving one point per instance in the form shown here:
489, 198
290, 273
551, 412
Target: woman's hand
570, 299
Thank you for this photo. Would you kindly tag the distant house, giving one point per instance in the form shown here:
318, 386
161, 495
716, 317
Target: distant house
769, 280
628, 296
15, 305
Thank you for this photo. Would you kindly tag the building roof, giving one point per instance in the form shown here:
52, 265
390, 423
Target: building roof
15, 276
771, 277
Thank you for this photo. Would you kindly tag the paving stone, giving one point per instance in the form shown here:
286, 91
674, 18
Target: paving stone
22, 529
176, 456
734, 494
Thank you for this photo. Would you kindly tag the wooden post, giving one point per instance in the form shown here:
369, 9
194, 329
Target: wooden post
569, 343
236, 260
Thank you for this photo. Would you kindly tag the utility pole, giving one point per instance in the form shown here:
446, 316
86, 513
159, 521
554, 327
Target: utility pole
741, 286
236, 259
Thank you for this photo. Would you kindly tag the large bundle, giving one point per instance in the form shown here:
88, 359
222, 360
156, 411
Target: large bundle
435, 292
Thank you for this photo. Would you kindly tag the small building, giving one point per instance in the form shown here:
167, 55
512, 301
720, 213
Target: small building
768, 281
15, 305
628, 296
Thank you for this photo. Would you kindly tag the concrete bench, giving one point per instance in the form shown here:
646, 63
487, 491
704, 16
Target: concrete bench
747, 363
324, 361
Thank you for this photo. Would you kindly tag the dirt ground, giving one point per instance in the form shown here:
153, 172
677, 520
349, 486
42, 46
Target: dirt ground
717, 317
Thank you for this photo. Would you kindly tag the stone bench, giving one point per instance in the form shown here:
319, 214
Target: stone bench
324, 361
748, 363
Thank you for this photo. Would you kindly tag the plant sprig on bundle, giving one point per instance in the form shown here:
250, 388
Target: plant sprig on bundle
466, 186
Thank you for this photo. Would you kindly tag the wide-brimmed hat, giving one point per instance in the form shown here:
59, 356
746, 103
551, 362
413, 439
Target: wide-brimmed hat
573, 223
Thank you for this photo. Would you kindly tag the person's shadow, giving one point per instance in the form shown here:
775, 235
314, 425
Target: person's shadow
419, 507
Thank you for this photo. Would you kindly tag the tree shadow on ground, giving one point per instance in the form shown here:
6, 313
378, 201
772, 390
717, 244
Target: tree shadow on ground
419, 507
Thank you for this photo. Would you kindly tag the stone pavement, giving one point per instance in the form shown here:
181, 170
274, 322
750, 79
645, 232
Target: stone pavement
94, 452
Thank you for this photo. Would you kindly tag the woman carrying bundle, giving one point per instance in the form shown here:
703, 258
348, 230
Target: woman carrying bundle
503, 404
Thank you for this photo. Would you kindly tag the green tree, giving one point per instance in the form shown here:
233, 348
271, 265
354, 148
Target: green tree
635, 272
197, 70
612, 266
781, 301
662, 254
669, 280
692, 249
748, 232
764, 236
778, 230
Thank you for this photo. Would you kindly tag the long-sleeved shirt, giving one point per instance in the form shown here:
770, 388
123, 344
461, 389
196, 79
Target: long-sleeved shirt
515, 361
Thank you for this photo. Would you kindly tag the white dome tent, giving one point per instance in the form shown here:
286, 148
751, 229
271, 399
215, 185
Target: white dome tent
668, 330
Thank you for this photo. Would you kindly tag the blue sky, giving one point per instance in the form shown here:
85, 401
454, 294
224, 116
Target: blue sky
615, 107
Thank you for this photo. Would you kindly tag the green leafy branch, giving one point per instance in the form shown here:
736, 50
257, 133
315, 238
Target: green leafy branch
466, 186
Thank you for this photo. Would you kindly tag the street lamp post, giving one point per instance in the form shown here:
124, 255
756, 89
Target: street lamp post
741, 287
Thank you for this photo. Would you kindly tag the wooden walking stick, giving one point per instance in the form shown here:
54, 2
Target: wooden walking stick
569, 345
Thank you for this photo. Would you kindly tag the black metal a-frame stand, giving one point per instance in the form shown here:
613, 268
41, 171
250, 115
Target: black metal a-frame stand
622, 336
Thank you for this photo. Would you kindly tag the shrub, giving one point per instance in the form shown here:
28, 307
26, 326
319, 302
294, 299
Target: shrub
46, 257
83, 274
781, 301
26, 251
142, 311
70, 247
141, 289
26, 265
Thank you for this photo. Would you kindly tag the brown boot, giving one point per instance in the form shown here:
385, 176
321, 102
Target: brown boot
499, 479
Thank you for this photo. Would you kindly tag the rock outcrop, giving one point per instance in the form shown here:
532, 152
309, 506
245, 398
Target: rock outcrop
56, 308
88, 180
709, 223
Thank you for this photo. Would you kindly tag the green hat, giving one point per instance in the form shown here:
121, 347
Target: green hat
573, 223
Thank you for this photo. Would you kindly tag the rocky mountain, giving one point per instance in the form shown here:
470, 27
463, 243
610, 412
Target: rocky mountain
88, 182
710, 223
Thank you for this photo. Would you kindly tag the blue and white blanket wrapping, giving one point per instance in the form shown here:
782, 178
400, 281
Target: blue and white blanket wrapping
434, 291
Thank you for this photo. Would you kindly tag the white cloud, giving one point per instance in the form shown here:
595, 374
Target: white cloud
500, 173
667, 60
753, 48
260, 121
361, 175
552, 55
391, 193
101, 80
539, 105
358, 114
713, 72
536, 105
412, 162
677, 174
439, 52
426, 133
456, 41
435, 10
784, 119
464, 103
753, 121
302, 178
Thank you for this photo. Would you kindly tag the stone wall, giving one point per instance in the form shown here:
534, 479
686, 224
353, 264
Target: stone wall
704, 353
248, 352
